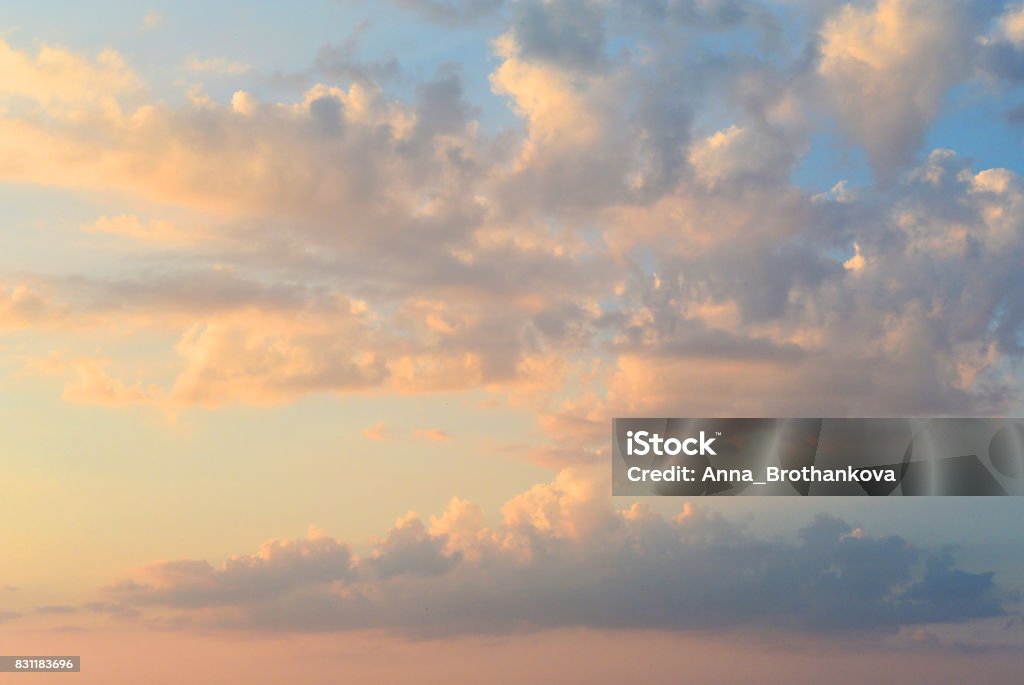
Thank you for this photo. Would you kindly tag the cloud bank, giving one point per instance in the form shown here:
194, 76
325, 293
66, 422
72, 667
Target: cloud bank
563, 557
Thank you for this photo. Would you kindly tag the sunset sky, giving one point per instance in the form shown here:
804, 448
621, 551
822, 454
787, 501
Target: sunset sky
313, 320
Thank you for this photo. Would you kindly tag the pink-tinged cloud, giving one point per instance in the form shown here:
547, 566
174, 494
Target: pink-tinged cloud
277, 568
888, 65
610, 251
563, 557
23, 307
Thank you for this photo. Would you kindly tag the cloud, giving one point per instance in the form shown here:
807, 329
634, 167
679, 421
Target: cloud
409, 548
205, 154
93, 385
787, 310
377, 432
563, 557
1002, 49
62, 80
433, 435
856, 262
23, 306
888, 65
279, 567
453, 12
556, 111
569, 34
153, 21
56, 609
224, 364
1010, 25
734, 154
339, 60
633, 229
130, 226
617, 226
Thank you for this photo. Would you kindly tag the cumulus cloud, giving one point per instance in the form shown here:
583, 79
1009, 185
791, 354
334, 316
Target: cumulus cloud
279, 567
1002, 49
24, 306
1010, 24
792, 305
224, 364
60, 79
343, 147
693, 572
735, 154
409, 548
635, 227
888, 65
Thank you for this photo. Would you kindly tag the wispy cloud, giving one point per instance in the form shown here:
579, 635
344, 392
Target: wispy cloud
378, 432
433, 435
153, 21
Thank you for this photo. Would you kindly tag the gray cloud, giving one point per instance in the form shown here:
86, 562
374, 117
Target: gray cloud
279, 568
887, 67
642, 571
453, 12
341, 61
408, 548
567, 33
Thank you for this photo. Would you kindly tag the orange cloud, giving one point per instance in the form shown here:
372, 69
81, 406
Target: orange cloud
432, 435
59, 78
22, 306
378, 432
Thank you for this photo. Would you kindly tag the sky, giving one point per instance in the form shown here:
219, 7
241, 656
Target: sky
313, 321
